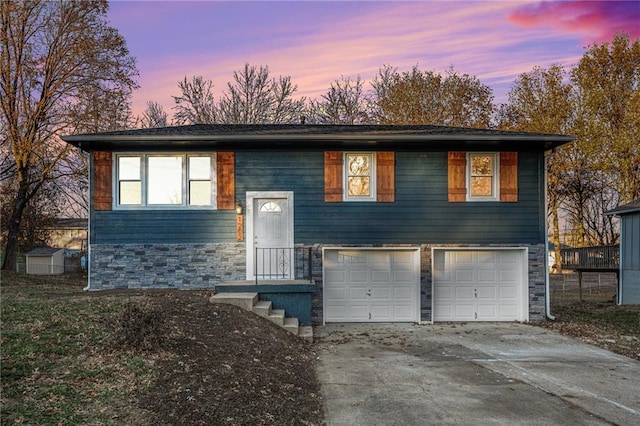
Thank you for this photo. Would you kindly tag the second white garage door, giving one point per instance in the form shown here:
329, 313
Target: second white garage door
479, 285
371, 285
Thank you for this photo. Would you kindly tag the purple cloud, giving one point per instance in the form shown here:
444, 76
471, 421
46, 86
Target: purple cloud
597, 21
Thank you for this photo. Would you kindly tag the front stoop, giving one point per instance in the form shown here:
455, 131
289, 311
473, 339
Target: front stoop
250, 302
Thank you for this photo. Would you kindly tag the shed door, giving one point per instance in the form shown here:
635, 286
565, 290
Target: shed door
481, 285
371, 285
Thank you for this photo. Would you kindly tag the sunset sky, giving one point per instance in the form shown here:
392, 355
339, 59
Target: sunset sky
318, 42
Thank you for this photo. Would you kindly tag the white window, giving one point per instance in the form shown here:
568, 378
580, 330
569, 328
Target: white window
482, 176
165, 181
359, 176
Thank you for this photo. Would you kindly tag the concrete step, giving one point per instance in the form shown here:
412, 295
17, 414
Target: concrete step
277, 316
306, 332
262, 308
243, 300
291, 325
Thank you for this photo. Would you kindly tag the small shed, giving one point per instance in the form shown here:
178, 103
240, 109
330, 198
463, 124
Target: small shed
45, 261
629, 284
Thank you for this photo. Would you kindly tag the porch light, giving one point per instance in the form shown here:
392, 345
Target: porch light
239, 207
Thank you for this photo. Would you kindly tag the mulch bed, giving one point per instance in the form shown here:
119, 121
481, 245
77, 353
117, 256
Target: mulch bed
229, 366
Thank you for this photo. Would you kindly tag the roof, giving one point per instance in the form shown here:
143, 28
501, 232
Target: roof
43, 251
69, 223
308, 136
631, 207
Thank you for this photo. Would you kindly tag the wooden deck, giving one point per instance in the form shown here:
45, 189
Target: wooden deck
596, 259
591, 259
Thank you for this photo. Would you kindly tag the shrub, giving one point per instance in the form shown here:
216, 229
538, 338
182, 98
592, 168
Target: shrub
140, 327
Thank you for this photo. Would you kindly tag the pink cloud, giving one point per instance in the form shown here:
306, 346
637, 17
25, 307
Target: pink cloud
597, 21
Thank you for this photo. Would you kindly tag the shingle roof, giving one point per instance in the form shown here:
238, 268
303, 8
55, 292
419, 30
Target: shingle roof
272, 135
43, 251
631, 207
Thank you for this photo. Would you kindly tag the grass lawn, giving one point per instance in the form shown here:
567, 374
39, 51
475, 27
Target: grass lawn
146, 358
58, 364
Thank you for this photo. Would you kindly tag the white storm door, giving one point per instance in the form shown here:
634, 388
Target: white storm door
272, 238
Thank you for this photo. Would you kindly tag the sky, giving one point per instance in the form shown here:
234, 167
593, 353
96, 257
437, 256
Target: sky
318, 42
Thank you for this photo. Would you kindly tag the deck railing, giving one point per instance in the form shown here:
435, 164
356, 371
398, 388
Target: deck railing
591, 258
283, 263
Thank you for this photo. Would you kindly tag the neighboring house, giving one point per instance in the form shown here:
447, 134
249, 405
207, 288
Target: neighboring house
45, 261
629, 283
69, 233
402, 223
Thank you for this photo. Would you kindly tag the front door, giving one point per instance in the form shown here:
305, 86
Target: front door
271, 243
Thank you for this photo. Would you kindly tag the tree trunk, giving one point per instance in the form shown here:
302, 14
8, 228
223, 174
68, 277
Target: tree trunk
13, 230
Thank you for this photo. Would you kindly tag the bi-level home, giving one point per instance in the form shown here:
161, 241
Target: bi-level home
385, 223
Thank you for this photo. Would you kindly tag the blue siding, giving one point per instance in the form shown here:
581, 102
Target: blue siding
420, 214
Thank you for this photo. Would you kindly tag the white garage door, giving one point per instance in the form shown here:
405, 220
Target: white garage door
479, 285
371, 285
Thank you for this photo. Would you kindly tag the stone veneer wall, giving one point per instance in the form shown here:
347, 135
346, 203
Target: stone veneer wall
180, 266
537, 265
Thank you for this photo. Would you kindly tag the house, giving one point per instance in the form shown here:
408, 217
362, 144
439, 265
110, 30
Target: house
70, 233
45, 261
629, 276
388, 223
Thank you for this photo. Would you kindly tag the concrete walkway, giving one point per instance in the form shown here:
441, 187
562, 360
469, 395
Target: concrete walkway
481, 373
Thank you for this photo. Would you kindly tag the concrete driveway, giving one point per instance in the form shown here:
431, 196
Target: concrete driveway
480, 373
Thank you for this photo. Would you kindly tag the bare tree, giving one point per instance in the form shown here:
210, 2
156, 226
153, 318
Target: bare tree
255, 98
153, 116
196, 105
56, 59
344, 103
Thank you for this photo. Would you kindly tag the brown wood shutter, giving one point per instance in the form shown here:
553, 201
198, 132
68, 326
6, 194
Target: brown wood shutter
226, 182
509, 177
102, 180
333, 176
385, 177
457, 169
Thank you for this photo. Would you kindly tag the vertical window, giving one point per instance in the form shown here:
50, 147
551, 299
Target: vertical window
483, 176
359, 177
164, 183
200, 181
129, 180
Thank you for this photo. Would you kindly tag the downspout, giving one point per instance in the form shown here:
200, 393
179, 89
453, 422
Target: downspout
547, 286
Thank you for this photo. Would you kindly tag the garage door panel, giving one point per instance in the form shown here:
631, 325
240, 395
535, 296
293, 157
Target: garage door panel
463, 275
357, 276
381, 285
471, 285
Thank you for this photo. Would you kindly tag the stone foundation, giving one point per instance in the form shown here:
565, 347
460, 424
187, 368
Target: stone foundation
180, 266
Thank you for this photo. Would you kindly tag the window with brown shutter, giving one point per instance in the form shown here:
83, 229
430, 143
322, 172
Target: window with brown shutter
226, 187
376, 184
471, 177
102, 176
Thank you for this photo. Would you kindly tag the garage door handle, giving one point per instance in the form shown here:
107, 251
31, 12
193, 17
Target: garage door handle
369, 292
475, 293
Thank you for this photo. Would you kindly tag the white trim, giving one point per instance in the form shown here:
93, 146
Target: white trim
251, 196
496, 177
417, 272
524, 276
